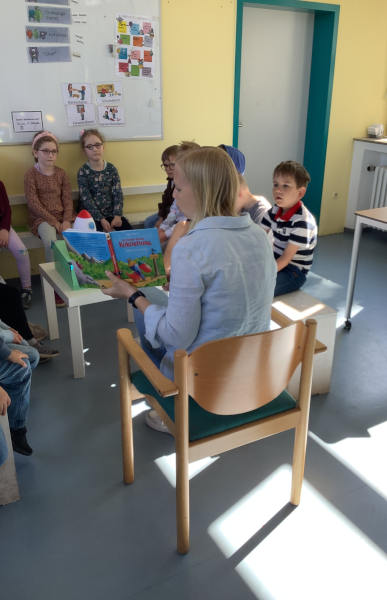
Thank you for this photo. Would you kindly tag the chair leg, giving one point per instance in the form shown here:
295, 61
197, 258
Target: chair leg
181, 437
126, 416
299, 452
182, 503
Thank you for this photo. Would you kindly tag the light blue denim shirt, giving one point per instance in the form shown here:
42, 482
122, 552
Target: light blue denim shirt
222, 283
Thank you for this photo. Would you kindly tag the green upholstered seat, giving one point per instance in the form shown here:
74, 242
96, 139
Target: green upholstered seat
203, 423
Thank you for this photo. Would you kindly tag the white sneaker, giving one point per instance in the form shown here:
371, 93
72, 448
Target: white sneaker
153, 421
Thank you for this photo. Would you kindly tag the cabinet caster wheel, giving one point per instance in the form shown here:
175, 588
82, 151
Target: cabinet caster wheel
347, 325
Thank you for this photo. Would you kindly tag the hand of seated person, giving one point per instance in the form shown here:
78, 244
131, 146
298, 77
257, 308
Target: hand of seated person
65, 225
120, 288
5, 401
4, 237
116, 222
17, 356
17, 338
106, 226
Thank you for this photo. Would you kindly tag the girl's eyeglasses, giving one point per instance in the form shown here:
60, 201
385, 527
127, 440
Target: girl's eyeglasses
170, 165
91, 146
48, 152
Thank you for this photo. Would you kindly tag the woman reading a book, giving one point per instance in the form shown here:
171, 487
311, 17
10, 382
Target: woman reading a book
222, 272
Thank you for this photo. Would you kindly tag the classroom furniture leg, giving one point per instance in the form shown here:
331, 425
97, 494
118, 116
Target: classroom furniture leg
76, 341
49, 300
352, 272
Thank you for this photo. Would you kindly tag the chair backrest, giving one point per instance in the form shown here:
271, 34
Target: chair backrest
239, 374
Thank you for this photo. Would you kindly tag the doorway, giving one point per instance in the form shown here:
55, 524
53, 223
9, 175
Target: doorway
283, 43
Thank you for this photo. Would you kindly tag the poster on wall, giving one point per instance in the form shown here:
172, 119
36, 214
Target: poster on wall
134, 46
108, 92
48, 54
110, 114
80, 114
75, 93
26, 121
46, 14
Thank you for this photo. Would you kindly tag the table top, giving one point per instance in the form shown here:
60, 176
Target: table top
72, 297
376, 214
382, 140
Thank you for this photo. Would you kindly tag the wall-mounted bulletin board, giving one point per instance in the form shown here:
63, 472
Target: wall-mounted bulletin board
67, 65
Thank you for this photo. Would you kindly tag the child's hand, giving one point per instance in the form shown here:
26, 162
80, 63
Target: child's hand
17, 356
5, 401
66, 225
106, 226
17, 338
4, 237
116, 222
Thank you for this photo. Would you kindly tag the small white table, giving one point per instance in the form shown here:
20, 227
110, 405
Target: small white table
52, 281
373, 217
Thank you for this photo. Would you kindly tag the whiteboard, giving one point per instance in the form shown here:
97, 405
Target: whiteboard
90, 56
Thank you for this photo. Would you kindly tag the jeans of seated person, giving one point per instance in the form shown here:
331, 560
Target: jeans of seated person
155, 354
289, 279
151, 221
155, 295
3, 447
16, 380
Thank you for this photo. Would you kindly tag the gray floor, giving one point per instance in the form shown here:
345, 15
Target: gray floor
79, 533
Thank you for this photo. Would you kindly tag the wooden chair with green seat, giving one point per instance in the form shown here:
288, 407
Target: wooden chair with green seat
227, 393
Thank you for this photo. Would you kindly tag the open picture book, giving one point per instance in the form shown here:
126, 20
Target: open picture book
134, 255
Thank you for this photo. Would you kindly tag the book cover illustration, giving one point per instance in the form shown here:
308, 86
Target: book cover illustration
134, 255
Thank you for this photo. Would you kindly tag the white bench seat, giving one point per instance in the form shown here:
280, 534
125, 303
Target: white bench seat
301, 306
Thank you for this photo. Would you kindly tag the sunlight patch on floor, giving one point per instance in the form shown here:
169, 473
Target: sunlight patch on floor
167, 465
363, 456
139, 407
315, 552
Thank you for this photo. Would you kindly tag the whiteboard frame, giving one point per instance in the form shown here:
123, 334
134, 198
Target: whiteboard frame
70, 134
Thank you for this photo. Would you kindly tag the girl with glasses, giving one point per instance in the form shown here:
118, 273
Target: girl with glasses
48, 193
99, 185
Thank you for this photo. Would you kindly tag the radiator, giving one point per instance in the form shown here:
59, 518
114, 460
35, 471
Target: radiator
379, 188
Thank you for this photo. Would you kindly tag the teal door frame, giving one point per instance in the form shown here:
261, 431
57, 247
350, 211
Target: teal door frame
326, 18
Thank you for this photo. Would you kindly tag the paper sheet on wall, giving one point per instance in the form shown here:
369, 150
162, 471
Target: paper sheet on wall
134, 47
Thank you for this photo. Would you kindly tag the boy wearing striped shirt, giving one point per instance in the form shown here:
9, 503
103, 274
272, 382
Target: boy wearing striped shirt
293, 225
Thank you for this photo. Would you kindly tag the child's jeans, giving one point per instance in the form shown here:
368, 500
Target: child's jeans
289, 279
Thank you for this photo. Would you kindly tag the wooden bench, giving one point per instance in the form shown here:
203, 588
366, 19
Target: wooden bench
301, 306
136, 218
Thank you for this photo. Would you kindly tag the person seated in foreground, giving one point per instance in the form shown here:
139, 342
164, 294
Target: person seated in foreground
15, 380
222, 271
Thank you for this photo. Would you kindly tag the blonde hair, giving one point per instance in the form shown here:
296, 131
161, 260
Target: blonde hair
214, 181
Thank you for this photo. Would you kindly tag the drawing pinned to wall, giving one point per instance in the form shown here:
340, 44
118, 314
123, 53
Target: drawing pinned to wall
48, 54
51, 35
46, 14
80, 114
27, 121
134, 38
108, 92
110, 114
75, 93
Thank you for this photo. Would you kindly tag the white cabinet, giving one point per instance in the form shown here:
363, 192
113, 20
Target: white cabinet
367, 152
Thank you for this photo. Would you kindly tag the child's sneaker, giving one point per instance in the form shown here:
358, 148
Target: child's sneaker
38, 331
44, 351
26, 298
59, 302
